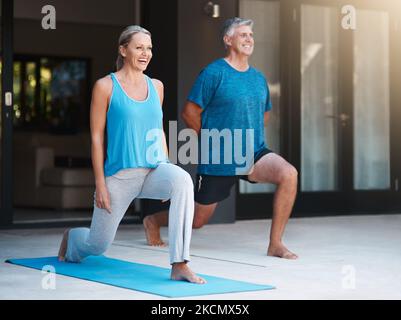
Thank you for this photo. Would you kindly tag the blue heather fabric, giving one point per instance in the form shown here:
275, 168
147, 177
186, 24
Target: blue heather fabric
231, 100
134, 130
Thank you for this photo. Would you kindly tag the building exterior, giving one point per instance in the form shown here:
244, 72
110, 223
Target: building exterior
333, 71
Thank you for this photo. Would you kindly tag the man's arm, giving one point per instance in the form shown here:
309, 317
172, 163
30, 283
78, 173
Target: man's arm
191, 114
266, 117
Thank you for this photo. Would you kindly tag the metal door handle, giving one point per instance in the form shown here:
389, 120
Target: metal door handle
342, 116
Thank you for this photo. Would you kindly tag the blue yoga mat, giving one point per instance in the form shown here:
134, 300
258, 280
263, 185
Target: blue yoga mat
136, 276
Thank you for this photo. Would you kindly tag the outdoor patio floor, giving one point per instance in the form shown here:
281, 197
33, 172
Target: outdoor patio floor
343, 257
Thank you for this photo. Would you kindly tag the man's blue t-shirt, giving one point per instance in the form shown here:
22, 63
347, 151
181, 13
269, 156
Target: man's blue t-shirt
233, 104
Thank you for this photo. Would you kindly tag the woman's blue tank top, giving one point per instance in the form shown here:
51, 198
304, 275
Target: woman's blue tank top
134, 130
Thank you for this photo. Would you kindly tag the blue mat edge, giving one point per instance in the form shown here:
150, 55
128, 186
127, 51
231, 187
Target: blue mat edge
262, 286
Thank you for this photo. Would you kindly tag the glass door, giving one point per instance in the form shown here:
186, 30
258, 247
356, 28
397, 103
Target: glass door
371, 110
334, 74
319, 99
347, 162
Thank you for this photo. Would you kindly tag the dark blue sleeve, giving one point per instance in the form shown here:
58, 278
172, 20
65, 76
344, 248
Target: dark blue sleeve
203, 89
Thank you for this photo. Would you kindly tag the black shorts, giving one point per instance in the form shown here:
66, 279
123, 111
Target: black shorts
211, 189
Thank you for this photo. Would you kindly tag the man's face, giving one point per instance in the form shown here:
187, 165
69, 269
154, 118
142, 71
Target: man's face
241, 41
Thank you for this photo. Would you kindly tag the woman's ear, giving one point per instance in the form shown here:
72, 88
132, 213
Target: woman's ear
122, 50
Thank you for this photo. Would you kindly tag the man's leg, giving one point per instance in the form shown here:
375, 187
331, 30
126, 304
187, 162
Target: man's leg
209, 191
203, 212
154, 222
274, 169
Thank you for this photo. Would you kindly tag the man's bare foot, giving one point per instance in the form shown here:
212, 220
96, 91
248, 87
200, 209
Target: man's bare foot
63, 246
279, 250
152, 231
180, 271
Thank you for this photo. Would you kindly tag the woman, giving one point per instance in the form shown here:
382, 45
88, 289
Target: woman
127, 104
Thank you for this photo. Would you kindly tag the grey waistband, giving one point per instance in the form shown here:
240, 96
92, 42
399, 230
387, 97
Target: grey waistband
131, 173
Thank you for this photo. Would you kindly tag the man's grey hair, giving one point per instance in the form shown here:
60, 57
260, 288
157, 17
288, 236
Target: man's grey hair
232, 23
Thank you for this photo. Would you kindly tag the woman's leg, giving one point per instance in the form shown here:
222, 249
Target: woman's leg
123, 188
169, 181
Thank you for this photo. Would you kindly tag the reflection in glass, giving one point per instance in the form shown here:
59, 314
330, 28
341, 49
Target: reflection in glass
319, 98
49, 94
371, 101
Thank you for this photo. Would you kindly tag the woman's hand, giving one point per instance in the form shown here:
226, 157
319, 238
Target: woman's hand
103, 198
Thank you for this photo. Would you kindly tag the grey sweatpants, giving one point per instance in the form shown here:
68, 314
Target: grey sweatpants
167, 181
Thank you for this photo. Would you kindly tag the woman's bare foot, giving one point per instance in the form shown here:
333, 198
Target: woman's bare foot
152, 231
180, 271
279, 250
63, 246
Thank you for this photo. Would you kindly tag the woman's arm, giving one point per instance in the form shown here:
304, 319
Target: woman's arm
160, 90
98, 111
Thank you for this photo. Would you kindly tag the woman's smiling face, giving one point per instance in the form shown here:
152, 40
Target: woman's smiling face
138, 52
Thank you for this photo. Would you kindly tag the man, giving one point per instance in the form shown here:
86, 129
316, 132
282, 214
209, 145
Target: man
230, 94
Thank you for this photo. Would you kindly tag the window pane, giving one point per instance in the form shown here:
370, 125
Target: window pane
50, 95
17, 93
67, 95
371, 101
319, 98
45, 93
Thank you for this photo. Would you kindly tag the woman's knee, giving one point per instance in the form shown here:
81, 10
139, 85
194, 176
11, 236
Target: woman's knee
100, 247
183, 179
187, 179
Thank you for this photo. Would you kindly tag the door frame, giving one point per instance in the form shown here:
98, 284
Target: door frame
6, 201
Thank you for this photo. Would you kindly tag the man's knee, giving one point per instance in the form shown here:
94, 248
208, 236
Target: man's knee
289, 174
